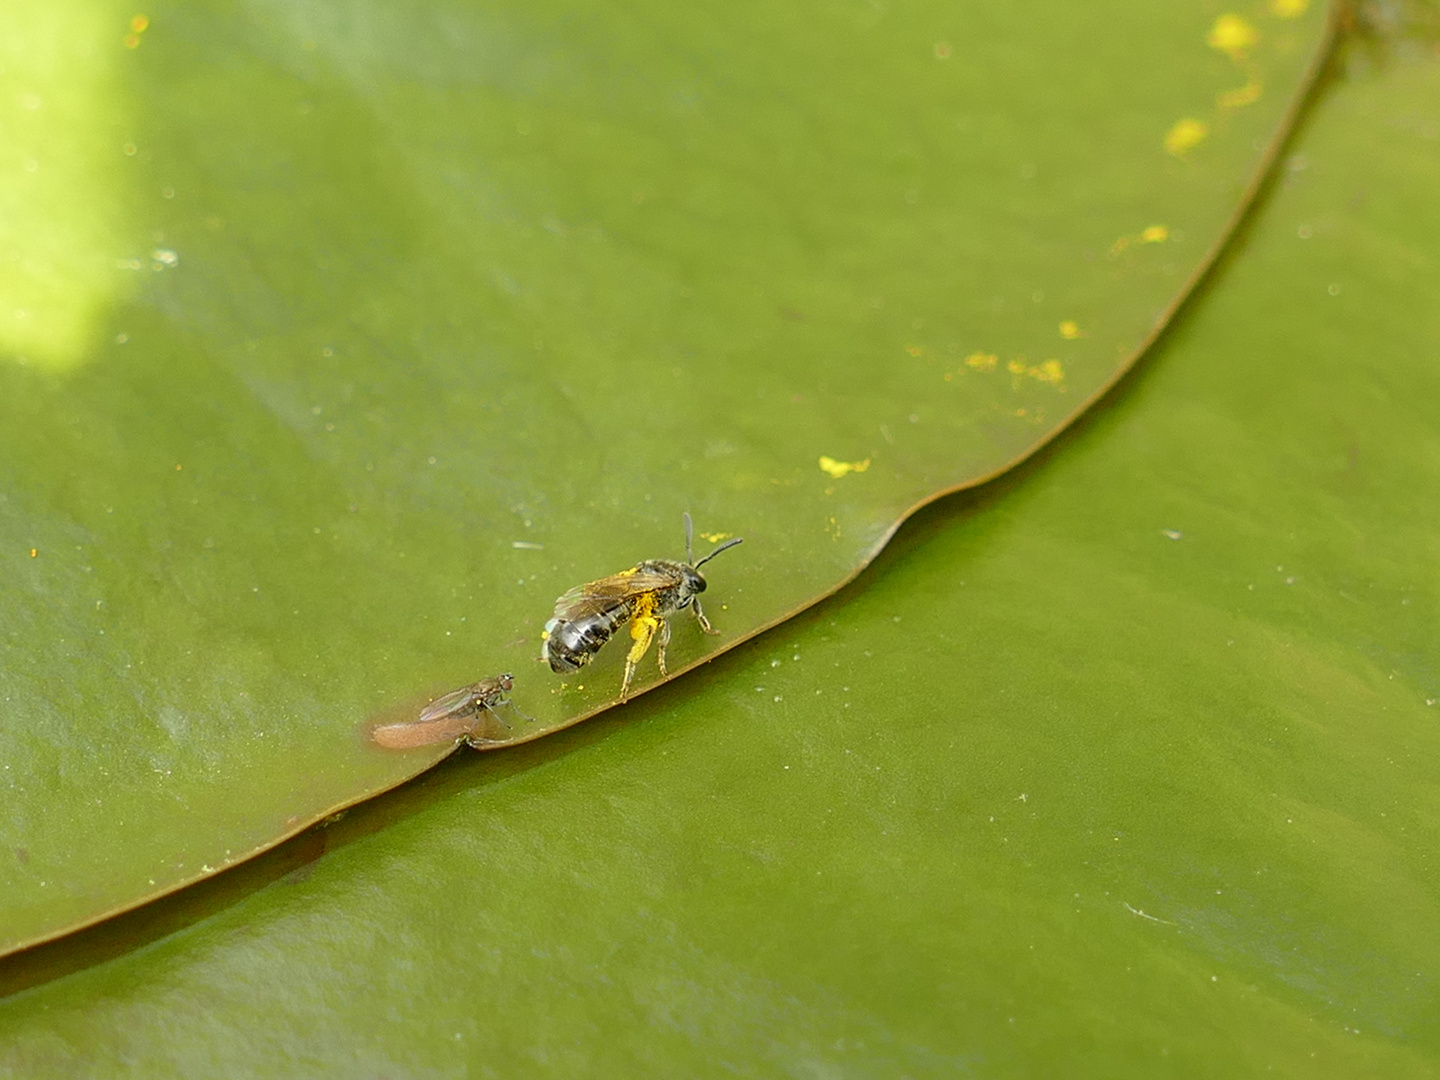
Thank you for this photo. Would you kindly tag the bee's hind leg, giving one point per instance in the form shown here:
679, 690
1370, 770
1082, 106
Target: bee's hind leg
642, 631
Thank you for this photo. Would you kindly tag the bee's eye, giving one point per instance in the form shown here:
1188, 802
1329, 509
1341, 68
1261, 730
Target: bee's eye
697, 583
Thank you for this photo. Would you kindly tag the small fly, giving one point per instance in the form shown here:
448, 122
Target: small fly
587, 616
456, 715
469, 702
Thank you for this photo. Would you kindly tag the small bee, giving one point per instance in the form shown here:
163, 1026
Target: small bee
587, 616
455, 715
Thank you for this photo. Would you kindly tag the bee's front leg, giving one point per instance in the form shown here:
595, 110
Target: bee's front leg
700, 614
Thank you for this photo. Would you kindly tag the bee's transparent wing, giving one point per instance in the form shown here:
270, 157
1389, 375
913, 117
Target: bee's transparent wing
596, 596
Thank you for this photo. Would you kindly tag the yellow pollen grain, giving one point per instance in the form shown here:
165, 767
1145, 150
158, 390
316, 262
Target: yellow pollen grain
1185, 135
139, 23
914, 350
1289, 9
1155, 234
34, 552
1233, 36
982, 361
837, 469
1049, 371
715, 538
1016, 367
1070, 330
132, 41
1245, 95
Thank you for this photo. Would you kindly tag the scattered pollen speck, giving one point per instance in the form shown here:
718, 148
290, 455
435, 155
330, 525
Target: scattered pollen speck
1289, 9
914, 350
138, 25
1049, 371
715, 537
1070, 330
34, 552
1246, 95
1233, 36
1155, 234
1016, 367
838, 469
982, 361
1185, 135
942, 48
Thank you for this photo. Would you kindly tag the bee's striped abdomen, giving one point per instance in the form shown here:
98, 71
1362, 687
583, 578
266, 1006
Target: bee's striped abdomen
570, 644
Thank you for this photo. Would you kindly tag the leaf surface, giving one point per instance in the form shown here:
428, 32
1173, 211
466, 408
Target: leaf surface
350, 336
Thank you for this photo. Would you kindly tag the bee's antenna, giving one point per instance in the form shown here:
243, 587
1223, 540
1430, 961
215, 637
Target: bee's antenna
689, 534
722, 547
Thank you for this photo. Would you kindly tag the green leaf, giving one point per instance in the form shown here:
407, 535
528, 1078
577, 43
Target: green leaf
1121, 766
349, 337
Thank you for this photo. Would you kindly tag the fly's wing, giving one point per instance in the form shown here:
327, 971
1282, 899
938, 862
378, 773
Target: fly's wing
595, 597
455, 703
468, 700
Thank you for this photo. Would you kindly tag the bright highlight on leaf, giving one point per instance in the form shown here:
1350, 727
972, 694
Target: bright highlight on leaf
838, 469
1233, 36
1185, 135
62, 187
